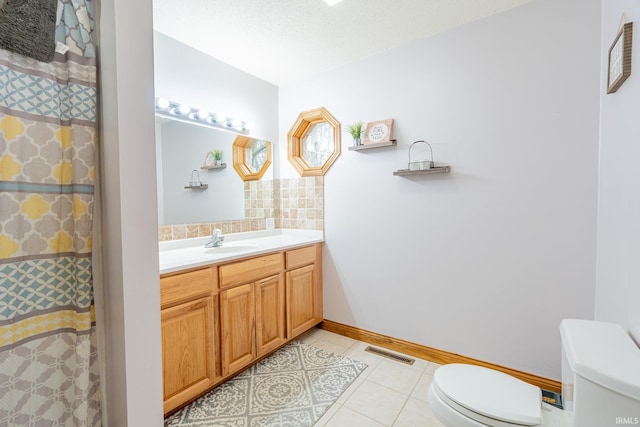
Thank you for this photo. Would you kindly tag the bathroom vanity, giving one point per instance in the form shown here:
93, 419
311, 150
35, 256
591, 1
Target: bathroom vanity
225, 308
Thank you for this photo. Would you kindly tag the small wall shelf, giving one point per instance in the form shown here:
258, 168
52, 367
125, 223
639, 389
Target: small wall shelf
220, 166
197, 187
436, 169
370, 146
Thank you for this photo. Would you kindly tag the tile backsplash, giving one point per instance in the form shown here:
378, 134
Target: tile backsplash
300, 203
296, 203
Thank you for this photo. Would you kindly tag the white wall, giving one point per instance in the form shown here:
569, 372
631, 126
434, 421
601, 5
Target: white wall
618, 271
186, 75
487, 260
128, 211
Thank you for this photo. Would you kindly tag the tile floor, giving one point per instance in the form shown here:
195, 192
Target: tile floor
387, 393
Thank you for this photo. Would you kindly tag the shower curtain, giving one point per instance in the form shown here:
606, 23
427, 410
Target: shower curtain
48, 357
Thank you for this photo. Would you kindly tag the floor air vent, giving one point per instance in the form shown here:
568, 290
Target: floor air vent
389, 355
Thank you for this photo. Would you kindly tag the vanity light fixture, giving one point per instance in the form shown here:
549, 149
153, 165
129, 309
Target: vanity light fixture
183, 109
201, 115
163, 103
184, 112
332, 2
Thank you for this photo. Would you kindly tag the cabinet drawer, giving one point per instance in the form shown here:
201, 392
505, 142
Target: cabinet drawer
185, 286
250, 270
299, 257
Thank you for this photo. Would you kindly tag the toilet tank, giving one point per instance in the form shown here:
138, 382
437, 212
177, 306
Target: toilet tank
600, 374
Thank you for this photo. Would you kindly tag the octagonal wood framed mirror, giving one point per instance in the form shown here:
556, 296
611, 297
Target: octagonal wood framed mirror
314, 142
251, 157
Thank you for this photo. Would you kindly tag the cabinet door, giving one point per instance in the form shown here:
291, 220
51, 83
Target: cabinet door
269, 314
304, 300
188, 350
237, 322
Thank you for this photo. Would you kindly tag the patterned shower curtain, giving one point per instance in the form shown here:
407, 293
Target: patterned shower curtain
48, 358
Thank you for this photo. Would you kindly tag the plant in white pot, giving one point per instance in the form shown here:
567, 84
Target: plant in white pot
355, 130
217, 154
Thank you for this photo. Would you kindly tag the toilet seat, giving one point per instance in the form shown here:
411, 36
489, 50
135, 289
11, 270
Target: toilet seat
487, 396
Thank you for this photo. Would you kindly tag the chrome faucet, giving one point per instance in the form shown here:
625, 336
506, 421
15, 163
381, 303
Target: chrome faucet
216, 239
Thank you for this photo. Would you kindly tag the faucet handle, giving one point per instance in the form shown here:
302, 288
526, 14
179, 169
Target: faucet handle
216, 232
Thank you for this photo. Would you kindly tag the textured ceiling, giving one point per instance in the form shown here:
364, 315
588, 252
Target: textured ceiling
282, 41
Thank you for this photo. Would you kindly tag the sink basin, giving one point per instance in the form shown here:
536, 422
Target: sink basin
225, 249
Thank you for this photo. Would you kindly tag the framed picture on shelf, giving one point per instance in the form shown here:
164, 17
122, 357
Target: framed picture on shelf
620, 58
377, 132
210, 159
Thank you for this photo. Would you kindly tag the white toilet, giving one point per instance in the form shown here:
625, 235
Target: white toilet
600, 385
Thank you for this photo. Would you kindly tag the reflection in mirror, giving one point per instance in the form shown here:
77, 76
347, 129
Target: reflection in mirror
182, 147
256, 155
317, 144
251, 157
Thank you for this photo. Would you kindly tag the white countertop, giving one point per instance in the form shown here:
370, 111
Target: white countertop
181, 254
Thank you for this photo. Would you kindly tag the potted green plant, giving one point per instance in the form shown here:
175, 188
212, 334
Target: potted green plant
355, 130
217, 154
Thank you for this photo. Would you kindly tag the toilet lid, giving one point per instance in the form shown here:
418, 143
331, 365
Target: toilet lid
490, 393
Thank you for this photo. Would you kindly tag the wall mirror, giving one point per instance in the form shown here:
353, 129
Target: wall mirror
181, 148
251, 157
314, 142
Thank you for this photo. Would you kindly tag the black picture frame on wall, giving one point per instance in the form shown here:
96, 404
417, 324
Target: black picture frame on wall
620, 58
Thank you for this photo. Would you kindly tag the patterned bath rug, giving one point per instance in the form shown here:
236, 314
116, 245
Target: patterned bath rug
293, 387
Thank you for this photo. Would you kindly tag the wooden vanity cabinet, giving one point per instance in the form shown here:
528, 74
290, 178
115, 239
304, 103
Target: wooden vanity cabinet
219, 319
237, 323
270, 314
190, 352
303, 289
253, 316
